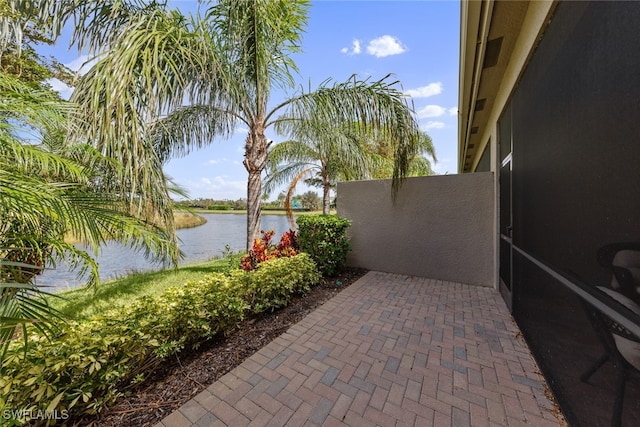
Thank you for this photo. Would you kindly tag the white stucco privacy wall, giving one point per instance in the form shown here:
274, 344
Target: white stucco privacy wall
440, 227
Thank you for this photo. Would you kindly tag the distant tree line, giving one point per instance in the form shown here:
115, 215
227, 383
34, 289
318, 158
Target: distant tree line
309, 201
212, 204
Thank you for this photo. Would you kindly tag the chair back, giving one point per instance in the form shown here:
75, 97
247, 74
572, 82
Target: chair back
623, 261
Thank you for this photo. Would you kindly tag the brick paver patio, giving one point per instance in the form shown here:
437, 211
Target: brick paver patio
390, 350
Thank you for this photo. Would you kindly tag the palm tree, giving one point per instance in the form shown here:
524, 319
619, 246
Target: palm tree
323, 155
310, 200
168, 84
320, 154
97, 24
48, 189
418, 156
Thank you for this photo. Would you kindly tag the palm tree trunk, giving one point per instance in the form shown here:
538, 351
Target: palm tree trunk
255, 161
254, 190
326, 198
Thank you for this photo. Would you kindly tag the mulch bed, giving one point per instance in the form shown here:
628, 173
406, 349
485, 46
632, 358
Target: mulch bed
186, 375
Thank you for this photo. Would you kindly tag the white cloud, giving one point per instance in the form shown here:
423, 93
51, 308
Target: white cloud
354, 50
241, 129
431, 111
221, 161
61, 87
81, 64
220, 187
425, 91
385, 46
453, 111
356, 46
432, 125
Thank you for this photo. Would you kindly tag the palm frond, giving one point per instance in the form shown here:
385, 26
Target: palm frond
420, 166
284, 174
336, 151
147, 72
190, 127
291, 151
362, 106
96, 23
31, 158
25, 107
425, 146
23, 304
292, 188
259, 38
11, 27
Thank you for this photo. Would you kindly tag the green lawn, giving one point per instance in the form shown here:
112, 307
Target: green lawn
86, 303
264, 212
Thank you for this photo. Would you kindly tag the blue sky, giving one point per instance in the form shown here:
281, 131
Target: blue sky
416, 41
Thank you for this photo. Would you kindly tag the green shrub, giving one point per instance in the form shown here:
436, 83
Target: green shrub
89, 364
275, 281
324, 238
78, 370
189, 314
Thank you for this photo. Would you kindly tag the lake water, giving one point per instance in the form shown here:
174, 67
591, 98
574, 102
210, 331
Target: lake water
200, 243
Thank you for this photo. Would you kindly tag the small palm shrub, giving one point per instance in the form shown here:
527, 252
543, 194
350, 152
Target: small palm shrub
324, 238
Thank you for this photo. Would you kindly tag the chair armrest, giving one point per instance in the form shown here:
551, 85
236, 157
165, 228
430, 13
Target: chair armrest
606, 253
613, 326
628, 287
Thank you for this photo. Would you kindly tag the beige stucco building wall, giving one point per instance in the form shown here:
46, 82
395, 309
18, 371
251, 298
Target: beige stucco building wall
441, 227
520, 25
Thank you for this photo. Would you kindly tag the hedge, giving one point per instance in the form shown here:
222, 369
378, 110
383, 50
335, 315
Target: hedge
324, 238
89, 364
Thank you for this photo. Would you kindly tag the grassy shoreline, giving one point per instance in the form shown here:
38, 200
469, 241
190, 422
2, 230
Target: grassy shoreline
85, 303
185, 219
264, 212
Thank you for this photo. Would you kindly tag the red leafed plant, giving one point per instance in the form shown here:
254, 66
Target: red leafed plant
263, 249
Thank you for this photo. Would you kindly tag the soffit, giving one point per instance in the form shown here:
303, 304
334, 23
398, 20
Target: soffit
504, 27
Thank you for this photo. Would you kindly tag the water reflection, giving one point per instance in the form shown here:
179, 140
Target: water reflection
198, 244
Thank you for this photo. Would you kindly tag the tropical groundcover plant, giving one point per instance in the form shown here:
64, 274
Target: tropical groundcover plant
263, 249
